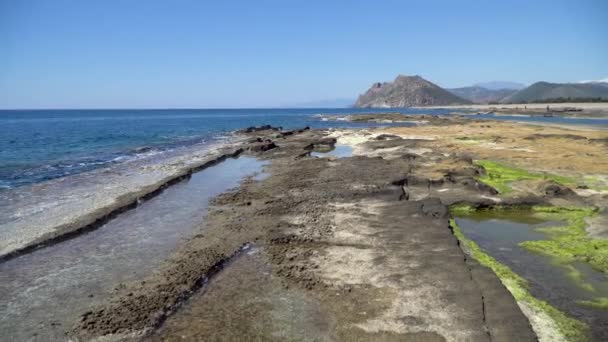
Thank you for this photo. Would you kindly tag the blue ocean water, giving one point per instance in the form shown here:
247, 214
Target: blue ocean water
37, 145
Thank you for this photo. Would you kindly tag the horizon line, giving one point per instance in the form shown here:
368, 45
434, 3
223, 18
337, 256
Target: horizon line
173, 108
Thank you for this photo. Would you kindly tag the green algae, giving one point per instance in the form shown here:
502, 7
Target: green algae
597, 303
500, 176
460, 209
519, 214
571, 329
570, 242
566, 243
598, 183
576, 276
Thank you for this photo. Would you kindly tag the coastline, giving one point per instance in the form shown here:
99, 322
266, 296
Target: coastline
567, 110
338, 235
318, 223
51, 211
582, 105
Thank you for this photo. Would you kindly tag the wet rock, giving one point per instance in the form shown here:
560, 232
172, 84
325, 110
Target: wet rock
263, 147
553, 189
295, 131
292, 214
322, 143
472, 183
260, 128
142, 149
387, 137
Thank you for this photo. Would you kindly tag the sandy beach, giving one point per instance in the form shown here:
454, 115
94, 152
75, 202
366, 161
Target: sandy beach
582, 105
596, 110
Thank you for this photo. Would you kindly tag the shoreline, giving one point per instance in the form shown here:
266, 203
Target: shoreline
574, 110
582, 105
130, 188
296, 221
338, 234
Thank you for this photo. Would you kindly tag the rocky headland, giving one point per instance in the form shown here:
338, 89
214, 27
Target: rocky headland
407, 91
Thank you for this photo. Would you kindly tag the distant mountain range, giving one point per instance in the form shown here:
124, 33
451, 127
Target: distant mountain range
559, 92
407, 91
500, 85
415, 91
478, 94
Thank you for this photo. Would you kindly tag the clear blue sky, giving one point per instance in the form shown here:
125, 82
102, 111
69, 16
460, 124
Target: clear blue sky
127, 54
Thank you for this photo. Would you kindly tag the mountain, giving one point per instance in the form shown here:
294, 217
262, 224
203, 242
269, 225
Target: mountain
551, 92
479, 94
601, 83
498, 85
407, 91
603, 80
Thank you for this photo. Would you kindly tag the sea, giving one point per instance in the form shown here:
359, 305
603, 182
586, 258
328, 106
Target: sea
39, 145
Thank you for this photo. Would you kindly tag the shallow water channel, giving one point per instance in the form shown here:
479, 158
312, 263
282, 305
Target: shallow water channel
561, 284
44, 292
339, 151
246, 302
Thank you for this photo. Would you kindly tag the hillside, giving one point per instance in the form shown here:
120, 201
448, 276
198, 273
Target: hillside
479, 94
407, 91
545, 91
497, 85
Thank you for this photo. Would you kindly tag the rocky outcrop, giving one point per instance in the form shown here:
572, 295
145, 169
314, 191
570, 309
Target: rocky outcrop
407, 91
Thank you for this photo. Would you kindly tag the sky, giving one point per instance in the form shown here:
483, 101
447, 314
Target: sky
220, 54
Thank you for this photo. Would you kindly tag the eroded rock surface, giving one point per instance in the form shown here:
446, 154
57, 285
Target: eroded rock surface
355, 248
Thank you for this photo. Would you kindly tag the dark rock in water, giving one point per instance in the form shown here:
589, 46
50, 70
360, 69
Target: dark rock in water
142, 149
260, 128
